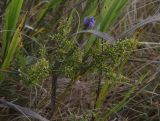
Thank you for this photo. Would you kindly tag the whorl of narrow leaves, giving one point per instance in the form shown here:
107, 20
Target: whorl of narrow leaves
113, 54
120, 50
61, 39
36, 73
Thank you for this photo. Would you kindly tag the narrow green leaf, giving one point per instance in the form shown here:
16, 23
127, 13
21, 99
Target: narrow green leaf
10, 20
13, 47
90, 9
103, 93
47, 7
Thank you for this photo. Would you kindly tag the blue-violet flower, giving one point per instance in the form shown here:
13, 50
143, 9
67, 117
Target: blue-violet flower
89, 22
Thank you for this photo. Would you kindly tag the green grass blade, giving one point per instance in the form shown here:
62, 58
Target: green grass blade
116, 7
10, 20
50, 5
13, 47
90, 8
103, 93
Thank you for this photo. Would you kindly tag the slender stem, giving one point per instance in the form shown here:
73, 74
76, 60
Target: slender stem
100, 78
100, 73
54, 84
53, 91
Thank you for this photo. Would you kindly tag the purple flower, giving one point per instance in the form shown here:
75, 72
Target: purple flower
86, 21
89, 22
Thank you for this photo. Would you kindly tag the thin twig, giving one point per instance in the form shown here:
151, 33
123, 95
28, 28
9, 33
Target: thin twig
144, 61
